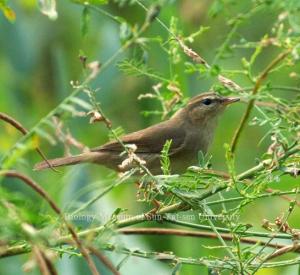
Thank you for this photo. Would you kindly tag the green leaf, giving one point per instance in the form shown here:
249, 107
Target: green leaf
216, 8
81, 103
174, 50
153, 12
46, 136
230, 160
119, 131
134, 67
20, 151
125, 31
139, 68
68, 108
165, 159
85, 20
192, 36
49, 123
204, 160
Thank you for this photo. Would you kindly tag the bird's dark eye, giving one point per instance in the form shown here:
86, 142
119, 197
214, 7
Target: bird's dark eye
206, 101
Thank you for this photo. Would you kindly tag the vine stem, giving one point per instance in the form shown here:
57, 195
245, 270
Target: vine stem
255, 90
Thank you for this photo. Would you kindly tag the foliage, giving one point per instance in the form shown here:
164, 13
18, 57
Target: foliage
165, 159
262, 72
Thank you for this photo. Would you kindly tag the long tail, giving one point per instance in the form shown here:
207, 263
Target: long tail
64, 161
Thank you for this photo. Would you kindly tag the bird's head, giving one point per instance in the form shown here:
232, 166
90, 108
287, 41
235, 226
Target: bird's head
206, 107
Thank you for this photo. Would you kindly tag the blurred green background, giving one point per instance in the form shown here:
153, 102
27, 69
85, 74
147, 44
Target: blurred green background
39, 58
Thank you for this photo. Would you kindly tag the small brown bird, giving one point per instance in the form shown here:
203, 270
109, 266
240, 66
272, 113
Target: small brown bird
191, 129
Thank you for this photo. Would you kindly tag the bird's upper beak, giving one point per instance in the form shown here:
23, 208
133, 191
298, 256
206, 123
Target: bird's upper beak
229, 100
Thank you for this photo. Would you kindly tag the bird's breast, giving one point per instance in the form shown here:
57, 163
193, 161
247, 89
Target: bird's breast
199, 140
188, 155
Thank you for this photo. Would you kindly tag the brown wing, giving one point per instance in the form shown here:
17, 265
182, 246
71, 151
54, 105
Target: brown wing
150, 140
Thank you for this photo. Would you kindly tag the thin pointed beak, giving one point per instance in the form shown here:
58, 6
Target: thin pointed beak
229, 100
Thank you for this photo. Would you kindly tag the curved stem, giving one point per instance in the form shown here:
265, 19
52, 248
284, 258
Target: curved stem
38, 189
255, 90
16, 124
277, 87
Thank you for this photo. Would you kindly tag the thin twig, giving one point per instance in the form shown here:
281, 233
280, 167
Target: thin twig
108, 125
283, 250
269, 190
280, 228
255, 90
40, 260
105, 260
50, 265
37, 188
281, 194
278, 87
46, 267
190, 233
226, 82
24, 131
226, 230
284, 197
